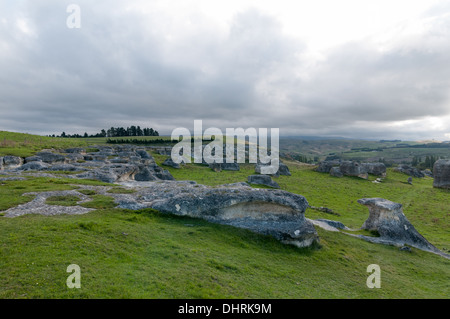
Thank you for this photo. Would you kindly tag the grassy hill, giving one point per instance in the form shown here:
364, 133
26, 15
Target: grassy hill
146, 254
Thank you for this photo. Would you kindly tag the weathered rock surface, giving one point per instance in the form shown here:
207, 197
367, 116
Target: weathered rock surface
325, 166
409, 170
262, 180
11, 161
169, 162
336, 172
388, 220
352, 168
441, 173
272, 212
38, 205
36, 165
78, 150
217, 167
51, 158
339, 168
283, 169
377, 169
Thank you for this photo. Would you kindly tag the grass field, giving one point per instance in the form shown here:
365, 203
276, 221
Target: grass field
146, 254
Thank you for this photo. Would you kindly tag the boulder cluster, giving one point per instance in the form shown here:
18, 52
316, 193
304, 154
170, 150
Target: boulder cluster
411, 171
338, 168
103, 163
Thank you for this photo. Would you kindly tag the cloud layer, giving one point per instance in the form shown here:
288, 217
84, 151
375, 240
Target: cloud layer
163, 67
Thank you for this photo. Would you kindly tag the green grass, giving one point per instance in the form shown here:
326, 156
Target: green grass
62, 200
100, 202
24, 145
427, 208
121, 190
146, 254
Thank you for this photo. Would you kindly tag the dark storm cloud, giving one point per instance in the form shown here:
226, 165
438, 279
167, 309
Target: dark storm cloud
125, 67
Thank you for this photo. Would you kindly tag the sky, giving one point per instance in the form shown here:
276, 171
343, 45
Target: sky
351, 68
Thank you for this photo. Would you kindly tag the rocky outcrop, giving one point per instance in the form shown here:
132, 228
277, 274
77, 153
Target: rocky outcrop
339, 168
441, 173
77, 150
336, 172
9, 162
262, 180
271, 212
217, 167
105, 163
283, 169
377, 169
325, 166
51, 158
169, 162
388, 220
409, 170
35, 166
352, 168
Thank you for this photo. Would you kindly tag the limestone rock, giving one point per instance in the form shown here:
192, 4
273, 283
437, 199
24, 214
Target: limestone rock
32, 159
272, 212
377, 169
336, 172
325, 166
12, 161
263, 180
171, 163
283, 169
352, 168
216, 167
78, 150
51, 158
388, 220
144, 174
409, 170
35, 165
441, 173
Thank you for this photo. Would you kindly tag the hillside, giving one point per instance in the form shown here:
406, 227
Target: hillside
146, 254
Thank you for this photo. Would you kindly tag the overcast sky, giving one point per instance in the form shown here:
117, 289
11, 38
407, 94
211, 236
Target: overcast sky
354, 68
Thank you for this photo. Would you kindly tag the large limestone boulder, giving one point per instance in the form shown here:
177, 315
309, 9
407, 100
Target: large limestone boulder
271, 212
441, 173
352, 168
388, 220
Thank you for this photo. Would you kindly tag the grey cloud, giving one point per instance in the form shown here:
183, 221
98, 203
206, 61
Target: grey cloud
121, 68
